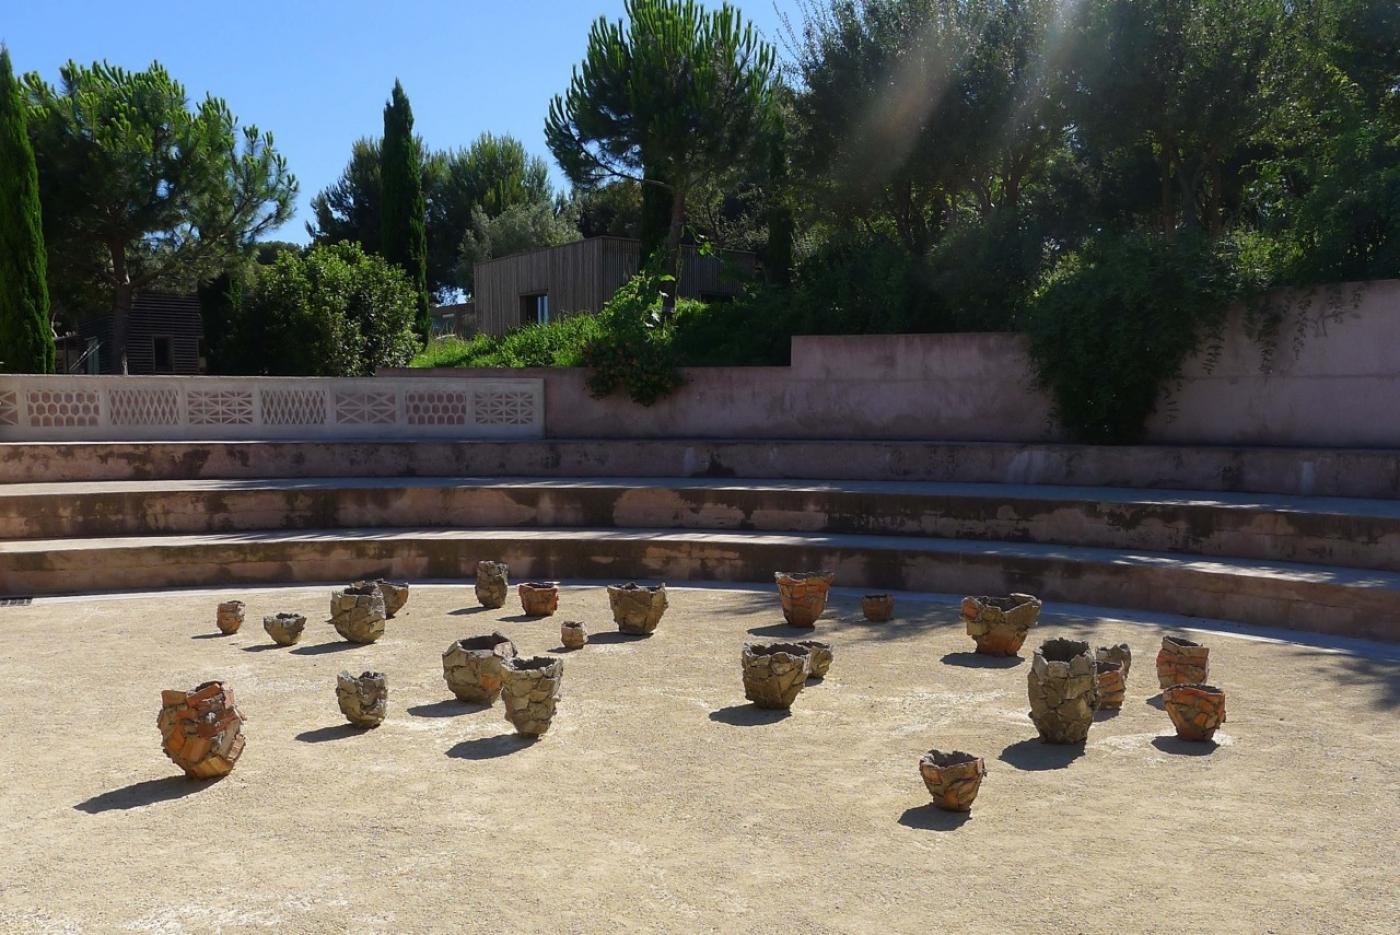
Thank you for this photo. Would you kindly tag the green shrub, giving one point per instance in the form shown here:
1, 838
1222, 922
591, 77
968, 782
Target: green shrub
1115, 321
634, 347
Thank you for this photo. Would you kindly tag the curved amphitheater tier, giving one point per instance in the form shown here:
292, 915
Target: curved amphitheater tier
1305, 539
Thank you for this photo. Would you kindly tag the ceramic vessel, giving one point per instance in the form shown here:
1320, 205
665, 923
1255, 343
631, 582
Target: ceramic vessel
230, 617
357, 612
637, 609
1182, 662
952, 778
201, 730
774, 673
539, 598
492, 583
803, 595
1064, 691
284, 629
472, 667
1196, 710
998, 625
877, 608
530, 692
819, 657
573, 635
363, 698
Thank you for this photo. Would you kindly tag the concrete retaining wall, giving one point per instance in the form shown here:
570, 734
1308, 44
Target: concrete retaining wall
1332, 382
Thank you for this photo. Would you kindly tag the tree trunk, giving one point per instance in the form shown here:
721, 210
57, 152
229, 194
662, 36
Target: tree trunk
121, 307
673, 253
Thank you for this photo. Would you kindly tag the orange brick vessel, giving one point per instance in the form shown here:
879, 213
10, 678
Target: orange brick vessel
1195, 710
952, 778
201, 730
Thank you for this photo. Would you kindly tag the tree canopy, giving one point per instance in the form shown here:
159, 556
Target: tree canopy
403, 213
139, 189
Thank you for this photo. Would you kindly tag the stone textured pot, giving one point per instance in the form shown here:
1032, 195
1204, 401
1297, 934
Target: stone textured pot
1063, 690
357, 612
637, 609
818, 656
1112, 688
952, 778
877, 608
395, 595
803, 595
539, 598
573, 635
774, 673
998, 625
492, 583
530, 691
230, 617
201, 730
285, 629
1182, 662
1195, 710
364, 699
1121, 654
472, 667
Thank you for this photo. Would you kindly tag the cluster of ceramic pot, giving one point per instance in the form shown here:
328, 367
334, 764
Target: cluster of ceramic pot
1197, 709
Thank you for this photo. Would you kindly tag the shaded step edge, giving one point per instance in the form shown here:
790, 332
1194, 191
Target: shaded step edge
1305, 471
1316, 598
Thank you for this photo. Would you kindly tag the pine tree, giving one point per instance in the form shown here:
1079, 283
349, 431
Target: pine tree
404, 211
26, 337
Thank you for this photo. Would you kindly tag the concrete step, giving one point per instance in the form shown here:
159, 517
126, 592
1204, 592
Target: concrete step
1348, 532
1300, 471
1309, 597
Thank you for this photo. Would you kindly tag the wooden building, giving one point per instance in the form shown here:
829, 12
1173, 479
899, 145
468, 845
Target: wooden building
555, 282
164, 334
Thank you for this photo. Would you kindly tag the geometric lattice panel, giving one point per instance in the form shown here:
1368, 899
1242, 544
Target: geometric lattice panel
9, 409
61, 408
144, 407
221, 407
436, 407
504, 408
293, 407
370, 407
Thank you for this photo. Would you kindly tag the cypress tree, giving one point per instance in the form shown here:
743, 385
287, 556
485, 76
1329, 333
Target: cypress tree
403, 209
26, 337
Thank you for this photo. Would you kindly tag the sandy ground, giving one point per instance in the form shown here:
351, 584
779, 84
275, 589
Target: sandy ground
660, 801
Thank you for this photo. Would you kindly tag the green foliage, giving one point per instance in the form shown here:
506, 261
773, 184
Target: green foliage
26, 337
493, 175
403, 209
519, 227
557, 344
1116, 320
634, 350
336, 311
673, 97
140, 190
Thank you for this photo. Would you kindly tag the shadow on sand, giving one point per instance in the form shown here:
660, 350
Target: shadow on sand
334, 732
489, 748
749, 715
146, 792
979, 661
932, 818
1034, 755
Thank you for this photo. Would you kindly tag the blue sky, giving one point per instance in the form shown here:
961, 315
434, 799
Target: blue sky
316, 72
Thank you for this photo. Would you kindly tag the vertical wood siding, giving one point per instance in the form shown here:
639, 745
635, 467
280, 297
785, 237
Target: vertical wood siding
582, 276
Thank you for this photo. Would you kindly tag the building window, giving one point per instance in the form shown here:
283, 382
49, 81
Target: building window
164, 354
534, 309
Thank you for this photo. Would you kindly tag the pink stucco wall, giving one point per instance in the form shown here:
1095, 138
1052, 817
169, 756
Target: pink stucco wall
1335, 381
